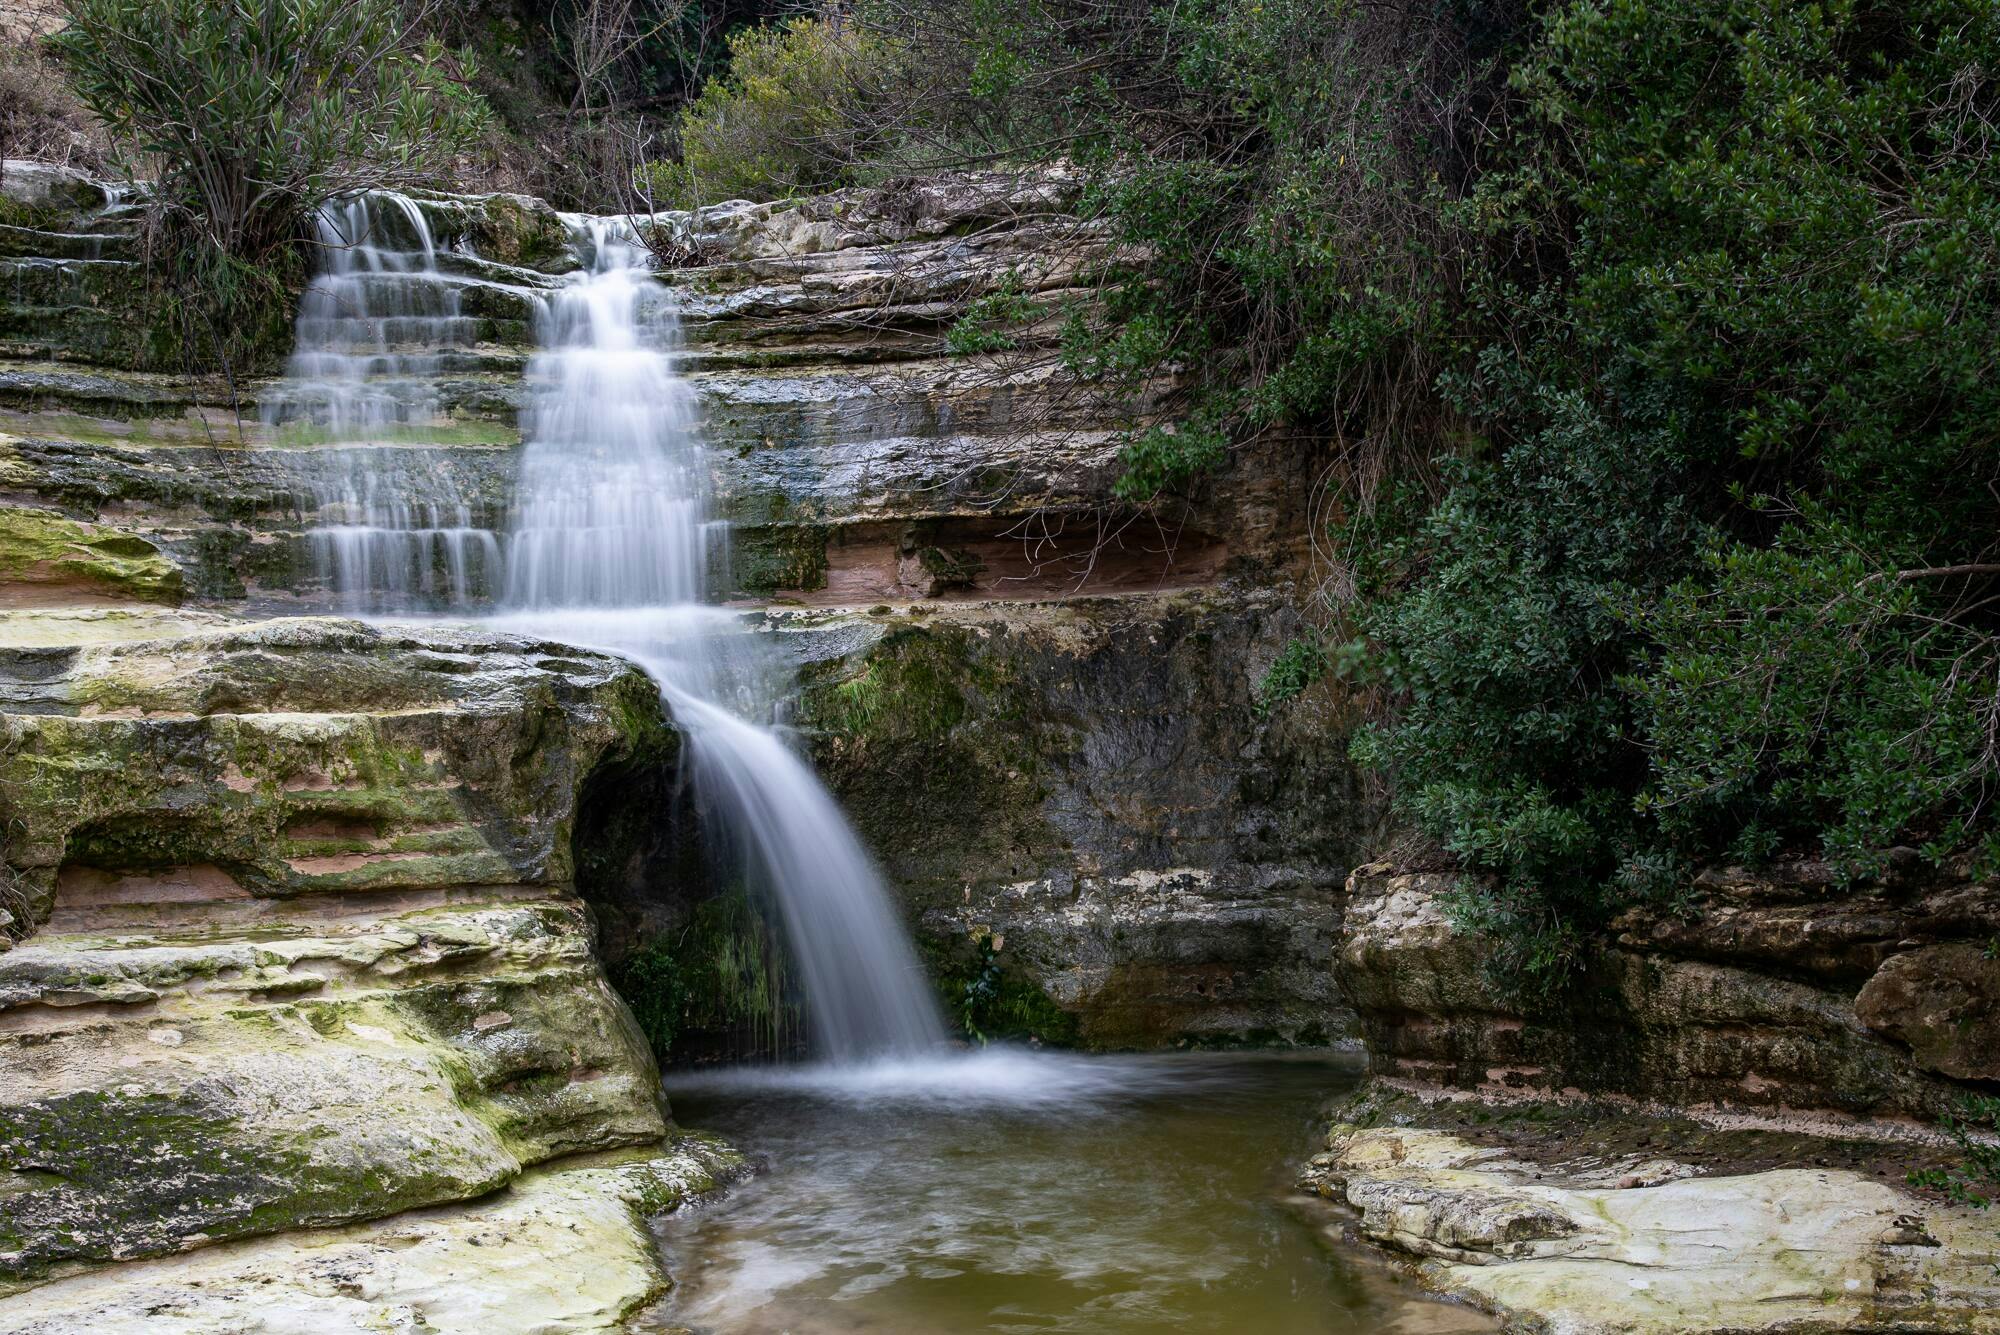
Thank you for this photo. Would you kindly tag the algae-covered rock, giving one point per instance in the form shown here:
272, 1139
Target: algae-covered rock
1087, 788
45, 557
38, 191
561, 1249
306, 947
296, 757
160, 1090
517, 230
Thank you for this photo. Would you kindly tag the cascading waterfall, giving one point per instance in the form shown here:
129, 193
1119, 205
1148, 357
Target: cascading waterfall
376, 327
609, 546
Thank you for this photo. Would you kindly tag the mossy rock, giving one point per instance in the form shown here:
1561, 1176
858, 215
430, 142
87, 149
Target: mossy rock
41, 547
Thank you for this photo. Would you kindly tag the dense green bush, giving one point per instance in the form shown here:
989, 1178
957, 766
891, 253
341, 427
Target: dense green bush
1756, 618
1502, 624
1794, 212
788, 116
255, 110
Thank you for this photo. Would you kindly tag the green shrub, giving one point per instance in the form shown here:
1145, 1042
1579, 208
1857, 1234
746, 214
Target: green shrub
1501, 626
988, 322
1793, 213
1803, 694
1976, 1181
1734, 597
1299, 664
788, 117
255, 110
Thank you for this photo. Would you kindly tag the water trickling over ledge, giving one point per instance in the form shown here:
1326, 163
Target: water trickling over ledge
608, 544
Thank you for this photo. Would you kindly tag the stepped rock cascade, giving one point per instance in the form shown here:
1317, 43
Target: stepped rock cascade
609, 545
376, 328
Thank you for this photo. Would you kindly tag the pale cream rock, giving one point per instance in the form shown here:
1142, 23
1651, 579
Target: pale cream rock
1803, 1251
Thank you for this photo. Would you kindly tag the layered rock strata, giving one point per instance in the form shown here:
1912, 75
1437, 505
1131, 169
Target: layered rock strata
563, 1248
1777, 989
299, 942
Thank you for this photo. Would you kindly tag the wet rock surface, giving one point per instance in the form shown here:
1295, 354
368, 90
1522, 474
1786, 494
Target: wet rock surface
564, 1248
299, 944
1085, 792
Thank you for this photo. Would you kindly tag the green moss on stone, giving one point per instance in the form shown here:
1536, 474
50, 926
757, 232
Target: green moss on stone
43, 547
766, 559
989, 998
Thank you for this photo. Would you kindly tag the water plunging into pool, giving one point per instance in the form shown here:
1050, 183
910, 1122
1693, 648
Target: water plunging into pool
911, 1189
608, 545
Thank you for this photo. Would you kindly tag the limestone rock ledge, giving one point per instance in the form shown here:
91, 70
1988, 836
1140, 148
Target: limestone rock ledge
1643, 1248
561, 1249
297, 943
1779, 989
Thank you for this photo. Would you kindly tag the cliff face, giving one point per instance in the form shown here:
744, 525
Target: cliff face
1769, 990
1148, 854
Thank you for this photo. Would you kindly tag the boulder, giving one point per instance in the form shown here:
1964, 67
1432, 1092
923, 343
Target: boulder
300, 943
1944, 1003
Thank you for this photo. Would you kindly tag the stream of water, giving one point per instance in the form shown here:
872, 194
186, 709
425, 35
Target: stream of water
1012, 1192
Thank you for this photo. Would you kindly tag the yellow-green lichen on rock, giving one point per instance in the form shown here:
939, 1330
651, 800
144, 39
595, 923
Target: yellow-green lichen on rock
45, 557
564, 1248
1650, 1247
300, 942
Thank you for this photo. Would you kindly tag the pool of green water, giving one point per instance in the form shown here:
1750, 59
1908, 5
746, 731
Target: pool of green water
1011, 1191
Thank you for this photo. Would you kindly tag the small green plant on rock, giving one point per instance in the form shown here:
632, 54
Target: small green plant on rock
1298, 665
988, 324
1976, 1181
650, 979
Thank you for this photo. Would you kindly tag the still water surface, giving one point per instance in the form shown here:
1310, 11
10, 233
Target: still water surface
1009, 1191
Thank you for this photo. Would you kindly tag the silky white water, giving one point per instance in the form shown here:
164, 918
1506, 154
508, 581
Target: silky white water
376, 327
608, 545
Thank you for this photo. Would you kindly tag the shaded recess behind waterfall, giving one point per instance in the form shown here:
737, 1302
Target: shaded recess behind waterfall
608, 543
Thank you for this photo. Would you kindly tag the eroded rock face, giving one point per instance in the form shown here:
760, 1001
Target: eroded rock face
1773, 991
1943, 1003
1087, 788
855, 460
306, 949
46, 559
286, 758
1650, 1249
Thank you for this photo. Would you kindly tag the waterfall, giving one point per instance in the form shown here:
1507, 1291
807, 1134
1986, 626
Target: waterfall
609, 545
376, 327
